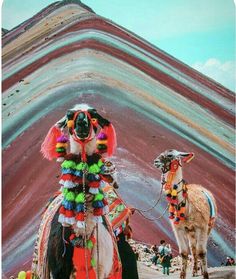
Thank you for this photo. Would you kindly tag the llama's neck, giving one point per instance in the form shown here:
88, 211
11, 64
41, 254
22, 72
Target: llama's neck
76, 148
176, 179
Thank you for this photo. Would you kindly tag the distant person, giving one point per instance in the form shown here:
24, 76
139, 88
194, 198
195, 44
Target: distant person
136, 253
228, 261
232, 261
165, 256
146, 250
155, 258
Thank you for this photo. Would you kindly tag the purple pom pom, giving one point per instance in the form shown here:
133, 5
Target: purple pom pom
102, 136
62, 139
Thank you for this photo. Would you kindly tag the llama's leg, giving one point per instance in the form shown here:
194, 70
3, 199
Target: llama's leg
201, 251
182, 240
193, 244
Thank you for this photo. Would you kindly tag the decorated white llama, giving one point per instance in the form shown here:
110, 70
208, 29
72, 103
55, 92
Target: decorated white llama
192, 210
76, 239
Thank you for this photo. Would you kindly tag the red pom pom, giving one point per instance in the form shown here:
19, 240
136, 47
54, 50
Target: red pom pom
80, 216
94, 184
98, 211
174, 201
72, 236
68, 176
62, 210
69, 213
78, 180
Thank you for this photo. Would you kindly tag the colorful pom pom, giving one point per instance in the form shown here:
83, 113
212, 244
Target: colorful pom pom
89, 244
97, 212
94, 169
93, 262
80, 198
79, 207
70, 123
70, 196
62, 139
99, 197
69, 213
80, 216
68, 164
68, 205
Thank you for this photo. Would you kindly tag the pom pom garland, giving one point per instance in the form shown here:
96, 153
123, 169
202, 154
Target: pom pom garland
73, 207
176, 209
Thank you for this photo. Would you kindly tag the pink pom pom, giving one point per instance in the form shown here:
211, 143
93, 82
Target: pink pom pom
48, 147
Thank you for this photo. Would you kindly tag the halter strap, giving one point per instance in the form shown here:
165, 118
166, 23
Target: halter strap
173, 169
89, 137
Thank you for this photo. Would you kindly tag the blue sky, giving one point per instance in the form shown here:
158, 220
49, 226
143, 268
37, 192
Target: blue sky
200, 33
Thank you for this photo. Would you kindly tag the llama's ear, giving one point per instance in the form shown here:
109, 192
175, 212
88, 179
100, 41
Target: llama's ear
187, 157
107, 129
101, 121
62, 122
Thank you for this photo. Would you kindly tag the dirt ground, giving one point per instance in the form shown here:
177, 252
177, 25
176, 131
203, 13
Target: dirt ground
145, 272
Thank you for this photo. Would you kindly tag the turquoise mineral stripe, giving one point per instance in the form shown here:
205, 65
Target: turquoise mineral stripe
145, 108
138, 82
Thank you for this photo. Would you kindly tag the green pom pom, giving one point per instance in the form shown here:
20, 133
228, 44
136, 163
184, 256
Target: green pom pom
81, 166
98, 197
68, 164
60, 149
93, 262
70, 196
94, 169
89, 244
65, 191
80, 198
100, 163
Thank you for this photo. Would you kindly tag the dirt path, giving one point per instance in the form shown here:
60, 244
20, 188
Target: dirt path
146, 272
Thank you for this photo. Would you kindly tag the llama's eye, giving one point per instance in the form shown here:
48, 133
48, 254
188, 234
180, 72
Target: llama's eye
170, 156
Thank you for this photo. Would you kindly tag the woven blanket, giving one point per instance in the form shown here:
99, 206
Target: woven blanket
39, 264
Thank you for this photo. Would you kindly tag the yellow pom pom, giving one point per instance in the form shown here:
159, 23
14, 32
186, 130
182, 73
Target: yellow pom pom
174, 193
60, 144
102, 142
70, 123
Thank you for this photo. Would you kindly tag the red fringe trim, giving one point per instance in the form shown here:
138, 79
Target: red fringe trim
111, 139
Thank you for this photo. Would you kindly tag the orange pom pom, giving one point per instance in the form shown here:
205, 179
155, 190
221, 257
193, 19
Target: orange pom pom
70, 123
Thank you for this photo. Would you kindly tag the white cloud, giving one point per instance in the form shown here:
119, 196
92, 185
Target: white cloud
222, 72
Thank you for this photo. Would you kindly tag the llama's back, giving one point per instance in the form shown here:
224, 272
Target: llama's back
202, 205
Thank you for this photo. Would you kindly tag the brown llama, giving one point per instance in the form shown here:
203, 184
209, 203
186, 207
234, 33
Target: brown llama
192, 210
